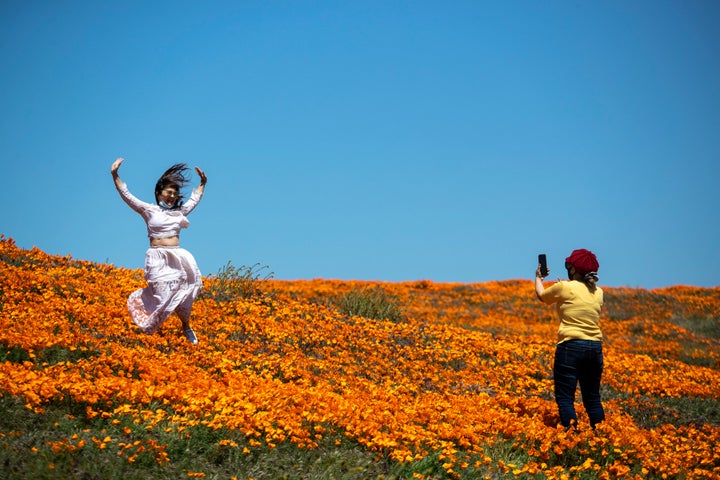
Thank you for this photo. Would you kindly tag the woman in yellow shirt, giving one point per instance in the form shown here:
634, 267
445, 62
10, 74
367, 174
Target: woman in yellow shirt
578, 355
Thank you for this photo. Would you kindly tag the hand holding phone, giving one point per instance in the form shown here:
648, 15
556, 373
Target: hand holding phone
542, 260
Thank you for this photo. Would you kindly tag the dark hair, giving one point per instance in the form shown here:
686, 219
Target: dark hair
175, 176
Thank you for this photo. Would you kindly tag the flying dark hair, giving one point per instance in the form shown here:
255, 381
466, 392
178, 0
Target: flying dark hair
175, 176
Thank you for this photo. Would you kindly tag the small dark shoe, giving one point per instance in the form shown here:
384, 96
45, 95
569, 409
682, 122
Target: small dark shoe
190, 335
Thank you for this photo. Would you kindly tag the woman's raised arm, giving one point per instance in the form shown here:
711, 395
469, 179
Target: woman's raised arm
114, 170
203, 180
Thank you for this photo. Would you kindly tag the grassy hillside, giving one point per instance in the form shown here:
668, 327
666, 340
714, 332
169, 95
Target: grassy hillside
341, 379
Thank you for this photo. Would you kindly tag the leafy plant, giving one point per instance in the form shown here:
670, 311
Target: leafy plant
233, 282
370, 302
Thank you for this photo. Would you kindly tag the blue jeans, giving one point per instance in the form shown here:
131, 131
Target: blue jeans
578, 361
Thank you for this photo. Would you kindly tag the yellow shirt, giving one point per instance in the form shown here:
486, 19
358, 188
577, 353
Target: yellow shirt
578, 308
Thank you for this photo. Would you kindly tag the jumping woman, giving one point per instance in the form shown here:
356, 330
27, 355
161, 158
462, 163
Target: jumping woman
172, 275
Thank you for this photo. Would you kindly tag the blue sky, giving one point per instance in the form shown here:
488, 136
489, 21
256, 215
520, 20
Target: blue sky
374, 140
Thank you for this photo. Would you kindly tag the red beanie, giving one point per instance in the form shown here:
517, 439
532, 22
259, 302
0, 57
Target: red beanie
583, 260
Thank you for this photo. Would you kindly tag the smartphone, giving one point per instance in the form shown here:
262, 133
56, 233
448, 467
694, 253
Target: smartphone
542, 260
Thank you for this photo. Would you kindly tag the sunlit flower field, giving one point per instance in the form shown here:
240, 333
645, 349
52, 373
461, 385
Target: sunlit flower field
456, 386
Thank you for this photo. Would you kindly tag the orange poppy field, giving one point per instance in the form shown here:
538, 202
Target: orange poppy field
457, 384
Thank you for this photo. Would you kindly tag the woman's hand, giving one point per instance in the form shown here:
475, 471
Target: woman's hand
539, 275
203, 177
116, 166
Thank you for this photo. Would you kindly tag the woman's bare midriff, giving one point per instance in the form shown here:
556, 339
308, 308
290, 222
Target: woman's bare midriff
165, 242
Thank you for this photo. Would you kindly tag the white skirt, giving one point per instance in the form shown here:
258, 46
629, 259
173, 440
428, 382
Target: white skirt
174, 281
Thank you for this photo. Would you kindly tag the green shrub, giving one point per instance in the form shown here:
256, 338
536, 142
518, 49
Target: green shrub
233, 282
369, 302
708, 327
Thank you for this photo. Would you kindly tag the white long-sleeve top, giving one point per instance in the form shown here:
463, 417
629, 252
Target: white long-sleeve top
161, 223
